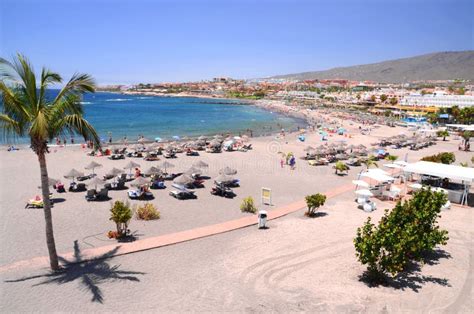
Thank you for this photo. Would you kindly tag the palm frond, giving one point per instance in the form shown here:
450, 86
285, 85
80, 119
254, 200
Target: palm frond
47, 78
77, 85
25, 71
40, 126
7, 71
10, 127
75, 123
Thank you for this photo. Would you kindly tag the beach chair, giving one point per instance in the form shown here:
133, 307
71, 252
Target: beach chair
37, 202
103, 194
80, 187
91, 195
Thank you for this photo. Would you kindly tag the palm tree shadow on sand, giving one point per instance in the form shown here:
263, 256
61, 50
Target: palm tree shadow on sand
90, 273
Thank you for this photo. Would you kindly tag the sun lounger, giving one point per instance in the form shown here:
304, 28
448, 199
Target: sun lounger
91, 194
183, 194
102, 195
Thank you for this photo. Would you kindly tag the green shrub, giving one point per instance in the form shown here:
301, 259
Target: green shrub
248, 205
443, 134
391, 158
444, 158
402, 236
340, 167
147, 212
314, 202
120, 213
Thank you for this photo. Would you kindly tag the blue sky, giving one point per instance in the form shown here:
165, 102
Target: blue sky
152, 41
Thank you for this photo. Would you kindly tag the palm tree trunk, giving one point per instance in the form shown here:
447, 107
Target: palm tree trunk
53, 256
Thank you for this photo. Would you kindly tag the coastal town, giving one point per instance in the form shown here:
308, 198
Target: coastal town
418, 98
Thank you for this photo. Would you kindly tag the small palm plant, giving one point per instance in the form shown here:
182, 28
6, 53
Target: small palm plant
340, 167
371, 161
443, 134
28, 112
391, 158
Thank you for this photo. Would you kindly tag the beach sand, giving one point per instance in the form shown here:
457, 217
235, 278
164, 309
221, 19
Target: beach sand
298, 264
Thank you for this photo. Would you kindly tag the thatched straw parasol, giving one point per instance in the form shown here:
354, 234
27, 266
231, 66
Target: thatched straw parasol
228, 171
166, 165
73, 173
140, 181
193, 170
114, 172
92, 166
183, 179
95, 182
200, 164
152, 171
223, 178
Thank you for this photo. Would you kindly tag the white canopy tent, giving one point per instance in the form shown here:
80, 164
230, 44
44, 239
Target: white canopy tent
454, 173
377, 175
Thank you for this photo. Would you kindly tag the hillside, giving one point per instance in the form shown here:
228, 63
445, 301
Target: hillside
433, 66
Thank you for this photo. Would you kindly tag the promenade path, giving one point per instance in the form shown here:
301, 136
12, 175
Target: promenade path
171, 238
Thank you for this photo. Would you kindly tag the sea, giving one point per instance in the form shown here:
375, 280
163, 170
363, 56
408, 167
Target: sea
117, 115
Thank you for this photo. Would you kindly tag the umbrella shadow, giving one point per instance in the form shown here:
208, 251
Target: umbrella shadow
90, 274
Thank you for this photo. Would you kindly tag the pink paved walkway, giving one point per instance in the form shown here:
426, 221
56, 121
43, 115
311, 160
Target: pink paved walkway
172, 238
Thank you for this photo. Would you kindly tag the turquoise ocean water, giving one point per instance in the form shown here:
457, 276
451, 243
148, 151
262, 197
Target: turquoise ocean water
165, 117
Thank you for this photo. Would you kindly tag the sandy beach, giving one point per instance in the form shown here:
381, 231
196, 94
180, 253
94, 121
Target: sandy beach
298, 264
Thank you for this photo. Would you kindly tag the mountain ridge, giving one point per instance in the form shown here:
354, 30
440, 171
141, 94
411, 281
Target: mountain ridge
447, 65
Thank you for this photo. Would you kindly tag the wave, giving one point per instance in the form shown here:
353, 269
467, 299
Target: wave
143, 97
118, 99
86, 103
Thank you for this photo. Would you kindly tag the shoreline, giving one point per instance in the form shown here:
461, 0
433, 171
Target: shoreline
302, 121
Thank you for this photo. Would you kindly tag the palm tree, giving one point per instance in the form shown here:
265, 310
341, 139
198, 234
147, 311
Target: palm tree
391, 158
28, 112
443, 134
340, 167
370, 162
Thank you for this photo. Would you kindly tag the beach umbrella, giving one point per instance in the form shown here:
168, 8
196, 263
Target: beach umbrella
73, 173
228, 171
131, 165
95, 181
360, 183
166, 165
200, 164
223, 178
361, 146
364, 193
158, 139
202, 138
92, 166
152, 170
215, 143
140, 181
183, 179
114, 172
193, 170
308, 149
176, 137
143, 140
51, 182
218, 137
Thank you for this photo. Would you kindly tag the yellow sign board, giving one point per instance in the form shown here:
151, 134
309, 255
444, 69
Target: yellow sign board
266, 196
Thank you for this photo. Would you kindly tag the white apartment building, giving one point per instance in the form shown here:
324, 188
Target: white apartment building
438, 99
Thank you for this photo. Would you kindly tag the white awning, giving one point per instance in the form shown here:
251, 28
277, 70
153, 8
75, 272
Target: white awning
377, 175
454, 173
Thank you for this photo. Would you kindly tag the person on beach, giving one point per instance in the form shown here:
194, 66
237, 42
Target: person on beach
64, 141
292, 162
282, 162
72, 140
138, 172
